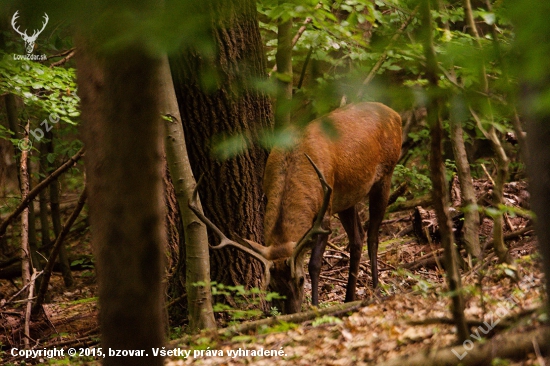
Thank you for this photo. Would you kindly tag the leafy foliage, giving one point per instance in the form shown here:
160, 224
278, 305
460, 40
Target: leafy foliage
43, 89
246, 301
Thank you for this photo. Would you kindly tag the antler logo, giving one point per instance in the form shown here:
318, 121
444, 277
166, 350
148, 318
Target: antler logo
29, 40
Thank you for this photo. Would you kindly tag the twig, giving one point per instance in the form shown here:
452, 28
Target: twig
334, 246
384, 54
63, 60
19, 292
386, 264
177, 299
536, 347
488, 175
72, 341
64, 53
508, 222
40, 186
333, 279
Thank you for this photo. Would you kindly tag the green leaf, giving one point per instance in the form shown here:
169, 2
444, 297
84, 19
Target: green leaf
51, 158
488, 18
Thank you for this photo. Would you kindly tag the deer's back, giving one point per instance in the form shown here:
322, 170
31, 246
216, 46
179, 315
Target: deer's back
365, 148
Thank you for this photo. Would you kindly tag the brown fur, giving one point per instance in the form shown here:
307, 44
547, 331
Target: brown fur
363, 154
367, 148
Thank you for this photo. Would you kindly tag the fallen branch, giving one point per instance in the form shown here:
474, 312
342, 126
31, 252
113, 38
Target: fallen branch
294, 318
291, 318
39, 187
425, 260
502, 324
424, 201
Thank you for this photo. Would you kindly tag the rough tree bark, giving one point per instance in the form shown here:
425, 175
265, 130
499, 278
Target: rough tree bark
231, 194
437, 170
122, 134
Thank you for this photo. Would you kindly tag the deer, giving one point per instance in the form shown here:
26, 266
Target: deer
317, 177
29, 40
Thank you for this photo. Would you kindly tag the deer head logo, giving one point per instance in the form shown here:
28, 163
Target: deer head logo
29, 40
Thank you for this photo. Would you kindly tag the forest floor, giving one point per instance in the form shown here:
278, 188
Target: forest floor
407, 315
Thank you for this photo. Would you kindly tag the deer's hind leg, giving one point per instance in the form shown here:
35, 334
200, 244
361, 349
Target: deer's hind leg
378, 201
352, 224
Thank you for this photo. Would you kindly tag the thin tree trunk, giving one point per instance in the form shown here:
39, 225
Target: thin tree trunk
502, 159
63, 258
123, 138
199, 298
469, 202
468, 197
440, 197
33, 243
284, 72
42, 196
25, 248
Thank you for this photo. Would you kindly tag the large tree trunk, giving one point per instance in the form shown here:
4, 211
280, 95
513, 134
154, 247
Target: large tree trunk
231, 194
122, 135
536, 108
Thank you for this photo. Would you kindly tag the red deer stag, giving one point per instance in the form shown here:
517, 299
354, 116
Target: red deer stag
357, 162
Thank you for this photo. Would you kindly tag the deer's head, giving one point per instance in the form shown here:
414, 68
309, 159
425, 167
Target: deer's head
283, 263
